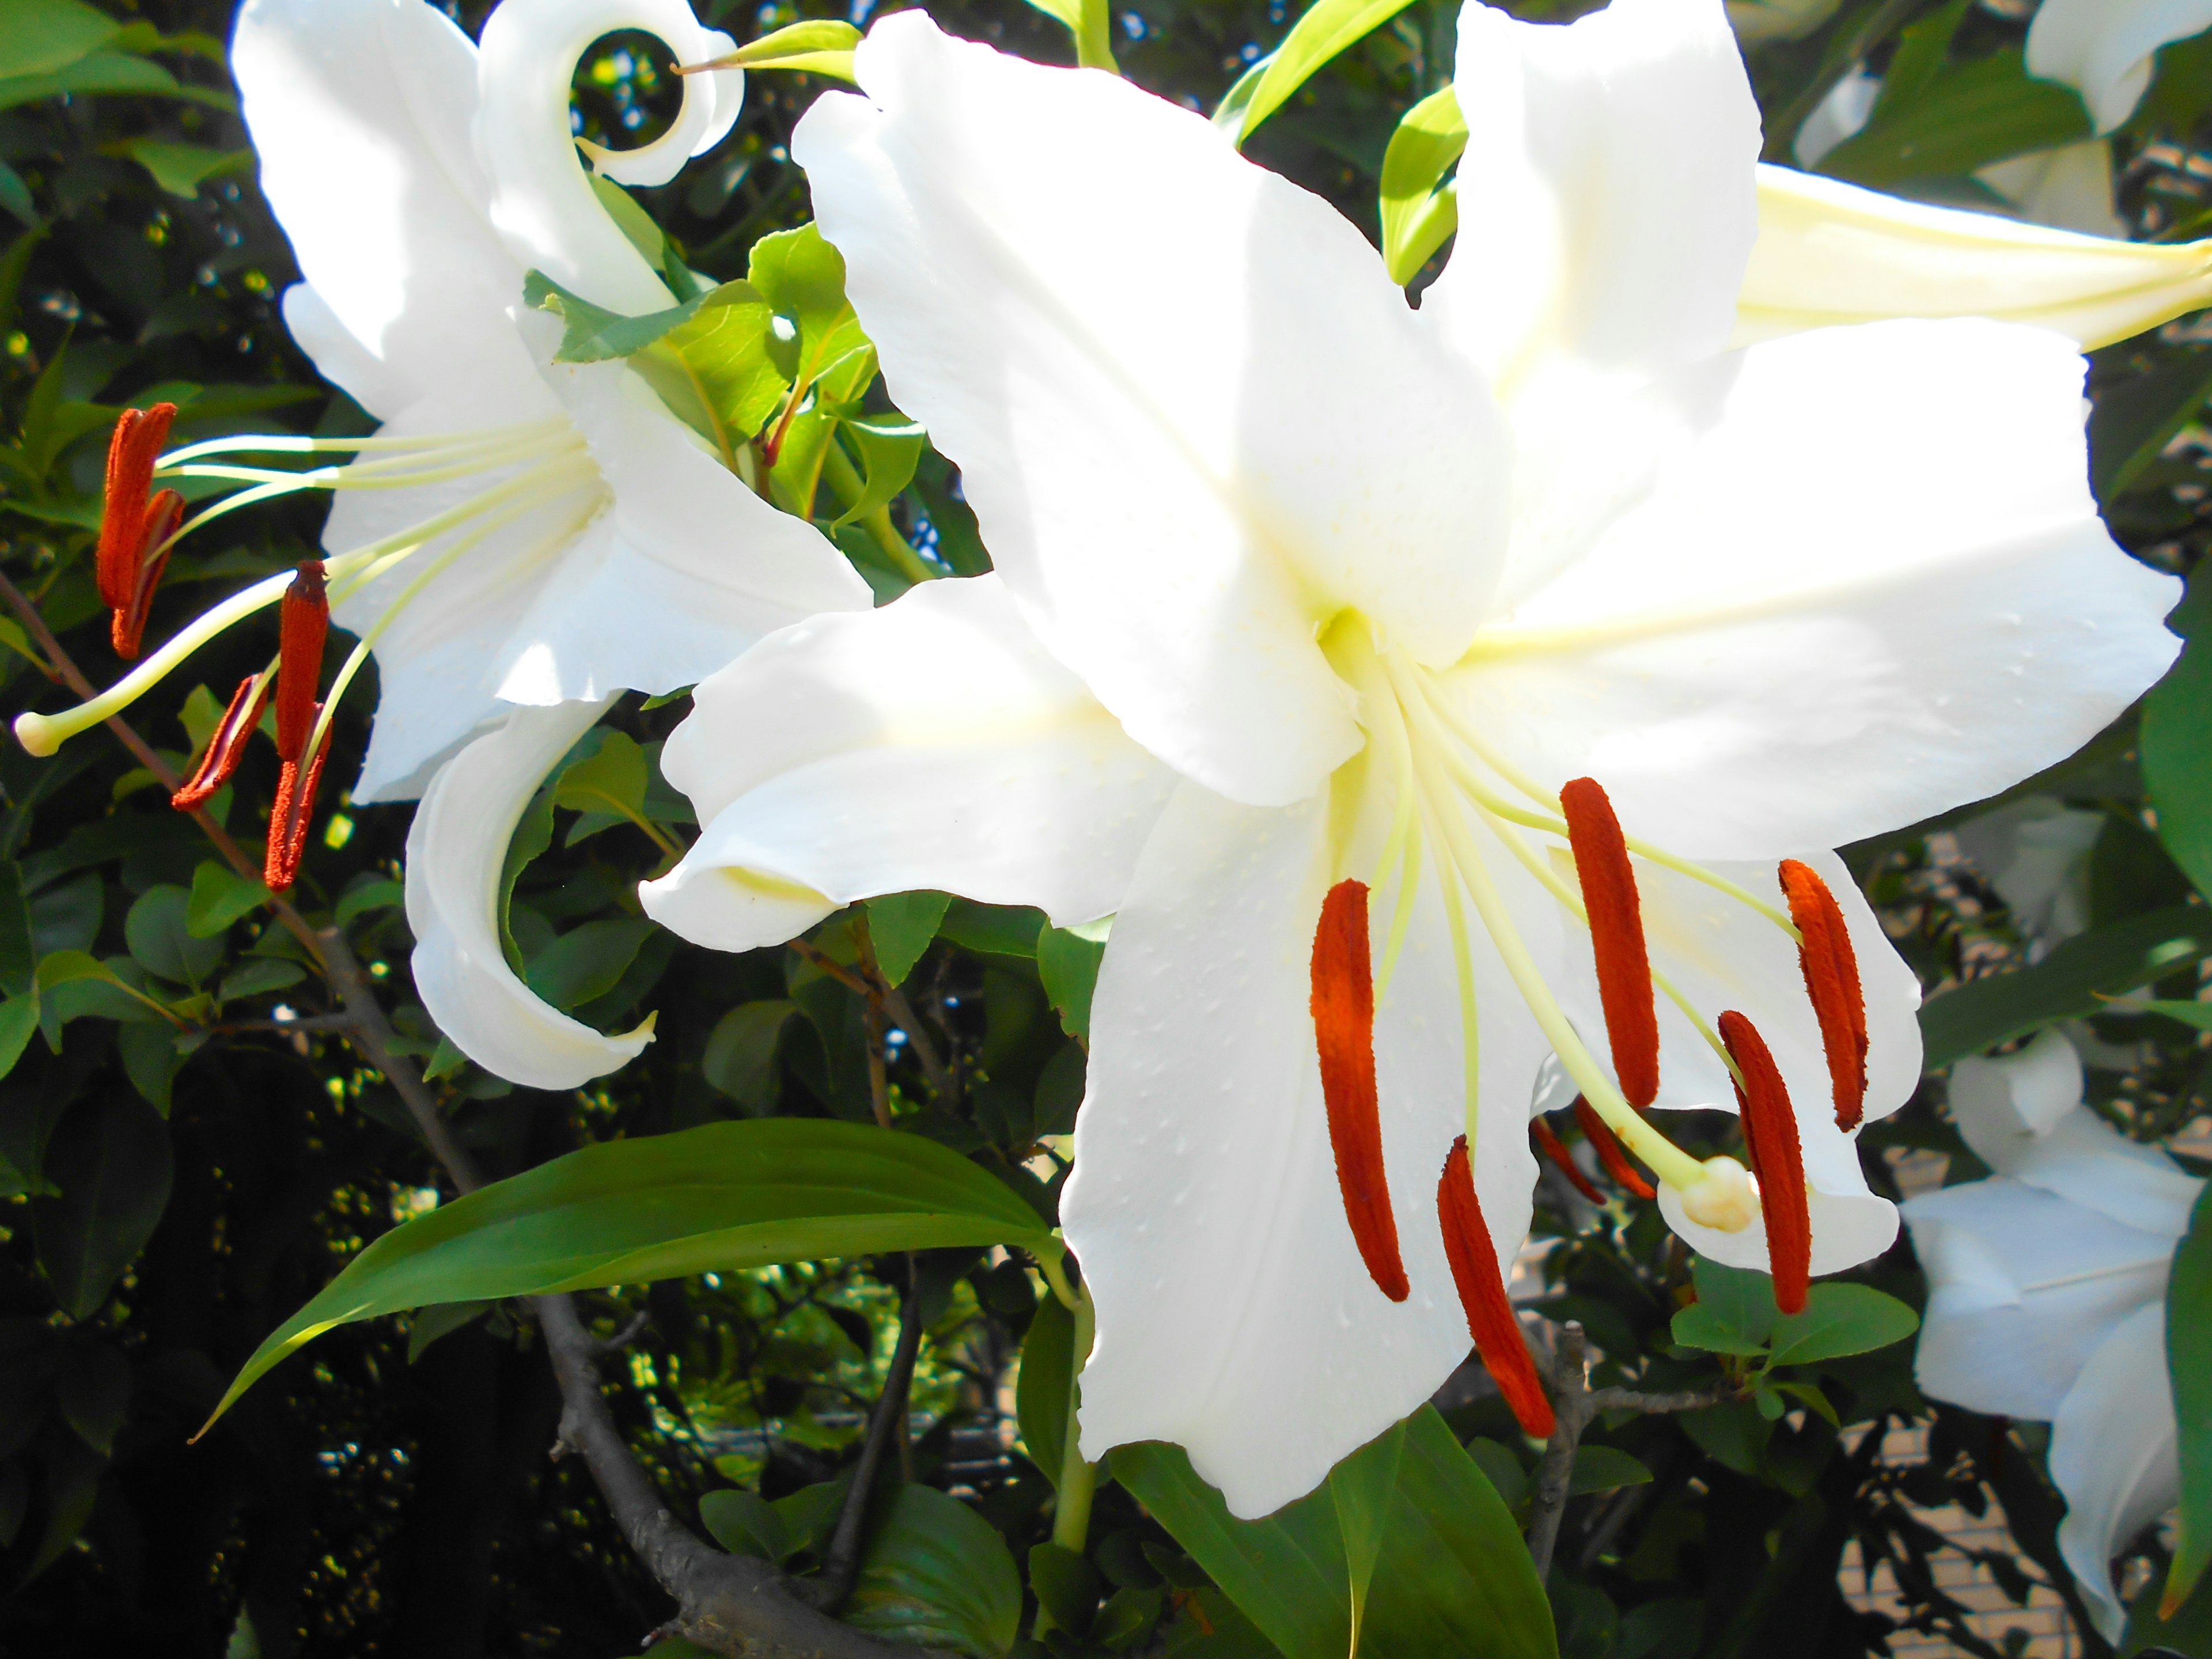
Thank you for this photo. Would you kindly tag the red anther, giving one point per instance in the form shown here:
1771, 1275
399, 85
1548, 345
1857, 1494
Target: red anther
226, 745
1343, 1031
1832, 981
1616, 925
1490, 1318
303, 623
128, 625
289, 816
131, 452
1610, 1151
1548, 1143
1770, 1135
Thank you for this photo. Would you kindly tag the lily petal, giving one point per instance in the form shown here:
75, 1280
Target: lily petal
2115, 1453
456, 849
2106, 48
359, 111
1605, 206
1235, 1316
2023, 1285
1749, 678
1829, 253
1127, 335
933, 744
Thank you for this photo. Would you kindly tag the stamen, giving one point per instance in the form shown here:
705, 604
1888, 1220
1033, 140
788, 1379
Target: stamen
303, 624
1489, 1319
1832, 981
131, 451
1769, 1134
1609, 1151
157, 527
1548, 1143
1344, 1030
227, 744
289, 816
1616, 925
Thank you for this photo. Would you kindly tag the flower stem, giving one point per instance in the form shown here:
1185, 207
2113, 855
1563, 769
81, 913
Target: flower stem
1071, 1521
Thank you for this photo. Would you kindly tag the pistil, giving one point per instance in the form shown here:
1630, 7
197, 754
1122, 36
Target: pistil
1343, 1005
1769, 1134
1489, 1317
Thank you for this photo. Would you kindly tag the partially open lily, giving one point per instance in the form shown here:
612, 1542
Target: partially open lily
1305, 599
518, 532
2047, 1287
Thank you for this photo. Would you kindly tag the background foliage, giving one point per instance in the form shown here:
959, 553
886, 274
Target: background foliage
187, 1157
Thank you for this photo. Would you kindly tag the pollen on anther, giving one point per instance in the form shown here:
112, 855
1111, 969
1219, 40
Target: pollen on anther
1616, 925
1548, 1143
1489, 1317
289, 817
1609, 1151
1343, 1005
132, 449
1778, 1162
303, 624
1831, 968
226, 746
156, 525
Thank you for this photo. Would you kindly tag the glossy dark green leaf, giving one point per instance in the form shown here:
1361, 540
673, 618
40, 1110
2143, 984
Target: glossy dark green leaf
745, 1523
442, 1319
741, 1056
901, 927
363, 896
587, 961
159, 933
1603, 1468
181, 169
1965, 116
1362, 1487
2068, 983
257, 977
1040, 1389
219, 897
2177, 740
995, 929
150, 1061
592, 334
110, 1159
1735, 1311
19, 1019
2189, 1366
724, 1196
38, 37
937, 1574
1068, 964
1841, 1319
1067, 1588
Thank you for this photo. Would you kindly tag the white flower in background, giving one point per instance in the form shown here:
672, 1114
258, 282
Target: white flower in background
2035, 853
2106, 49
2047, 1292
1299, 592
518, 532
1842, 114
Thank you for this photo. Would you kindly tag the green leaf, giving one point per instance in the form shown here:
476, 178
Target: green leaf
586, 962
2198, 1014
816, 47
99, 72
19, 1018
1326, 28
937, 1574
901, 927
93, 1386
1090, 22
803, 277
592, 334
219, 897
2069, 982
633, 220
890, 447
745, 1523
714, 369
610, 777
358, 900
1068, 963
157, 931
740, 1057
995, 929
111, 1160
1452, 1576
443, 1320
2189, 1367
2177, 740
181, 169
259, 977
1735, 1311
19, 961
1501, 1468
1066, 1587
1042, 1385
150, 1061
1361, 1487
1417, 216
1603, 1468
2132, 421
1963, 117
38, 37
16, 196
722, 1197
1841, 1319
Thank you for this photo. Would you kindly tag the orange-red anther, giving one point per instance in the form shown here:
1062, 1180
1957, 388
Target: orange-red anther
1548, 1143
1616, 925
289, 816
303, 623
1610, 1151
158, 524
132, 450
1832, 981
1490, 1318
1769, 1134
1343, 1031
226, 746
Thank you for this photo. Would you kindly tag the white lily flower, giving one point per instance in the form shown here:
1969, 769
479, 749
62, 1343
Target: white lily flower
519, 534
2106, 49
1300, 592
2046, 1296
2035, 853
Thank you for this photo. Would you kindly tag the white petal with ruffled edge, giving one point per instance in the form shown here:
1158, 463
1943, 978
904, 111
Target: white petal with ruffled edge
1748, 678
456, 850
1145, 353
933, 744
2115, 1457
1235, 1314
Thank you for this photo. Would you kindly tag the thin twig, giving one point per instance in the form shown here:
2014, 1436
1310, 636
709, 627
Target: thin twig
933, 1067
840, 1563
